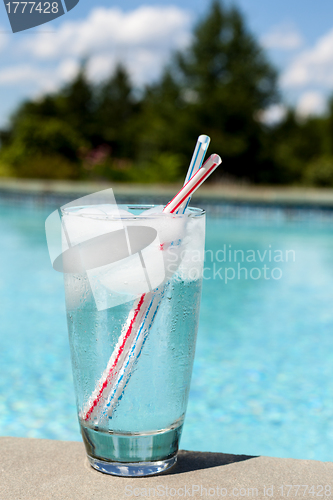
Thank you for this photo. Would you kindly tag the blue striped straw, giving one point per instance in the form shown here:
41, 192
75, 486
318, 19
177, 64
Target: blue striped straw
132, 356
196, 163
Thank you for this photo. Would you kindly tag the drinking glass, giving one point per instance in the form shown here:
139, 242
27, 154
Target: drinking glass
134, 428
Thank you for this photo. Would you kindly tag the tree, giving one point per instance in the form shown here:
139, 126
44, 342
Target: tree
116, 111
161, 117
75, 105
45, 148
218, 87
46, 136
298, 147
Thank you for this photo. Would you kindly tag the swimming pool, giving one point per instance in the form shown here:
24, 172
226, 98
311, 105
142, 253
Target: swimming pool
263, 373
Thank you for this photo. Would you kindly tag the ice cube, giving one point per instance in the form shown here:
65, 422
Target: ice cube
171, 230
83, 224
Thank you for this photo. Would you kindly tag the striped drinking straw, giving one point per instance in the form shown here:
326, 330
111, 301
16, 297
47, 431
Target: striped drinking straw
196, 162
136, 315
111, 386
150, 302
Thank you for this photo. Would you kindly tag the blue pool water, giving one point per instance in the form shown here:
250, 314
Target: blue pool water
263, 373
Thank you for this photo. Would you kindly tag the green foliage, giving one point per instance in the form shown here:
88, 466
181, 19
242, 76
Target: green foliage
162, 167
295, 144
115, 114
47, 167
6, 170
319, 172
42, 148
162, 116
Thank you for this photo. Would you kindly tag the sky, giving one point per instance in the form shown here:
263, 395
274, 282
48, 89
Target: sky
297, 36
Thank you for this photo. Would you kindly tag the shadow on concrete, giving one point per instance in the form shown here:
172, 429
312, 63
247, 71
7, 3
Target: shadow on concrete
195, 460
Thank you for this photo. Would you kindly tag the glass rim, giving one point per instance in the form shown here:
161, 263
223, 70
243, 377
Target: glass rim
192, 212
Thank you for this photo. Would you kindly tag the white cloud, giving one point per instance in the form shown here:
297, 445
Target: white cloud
141, 39
310, 103
283, 37
67, 69
312, 66
113, 30
99, 66
272, 115
16, 74
38, 78
142, 64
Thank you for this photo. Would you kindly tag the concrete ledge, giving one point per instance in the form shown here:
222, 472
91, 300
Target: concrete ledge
219, 192
38, 469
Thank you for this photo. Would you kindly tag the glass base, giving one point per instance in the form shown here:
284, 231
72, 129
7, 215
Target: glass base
127, 448
137, 469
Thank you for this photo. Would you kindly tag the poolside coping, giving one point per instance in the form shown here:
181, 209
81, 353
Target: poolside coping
220, 192
41, 469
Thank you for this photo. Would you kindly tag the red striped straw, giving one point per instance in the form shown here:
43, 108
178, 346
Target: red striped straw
115, 360
193, 184
142, 303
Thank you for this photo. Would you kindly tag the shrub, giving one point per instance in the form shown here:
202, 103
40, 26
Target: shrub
319, 172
